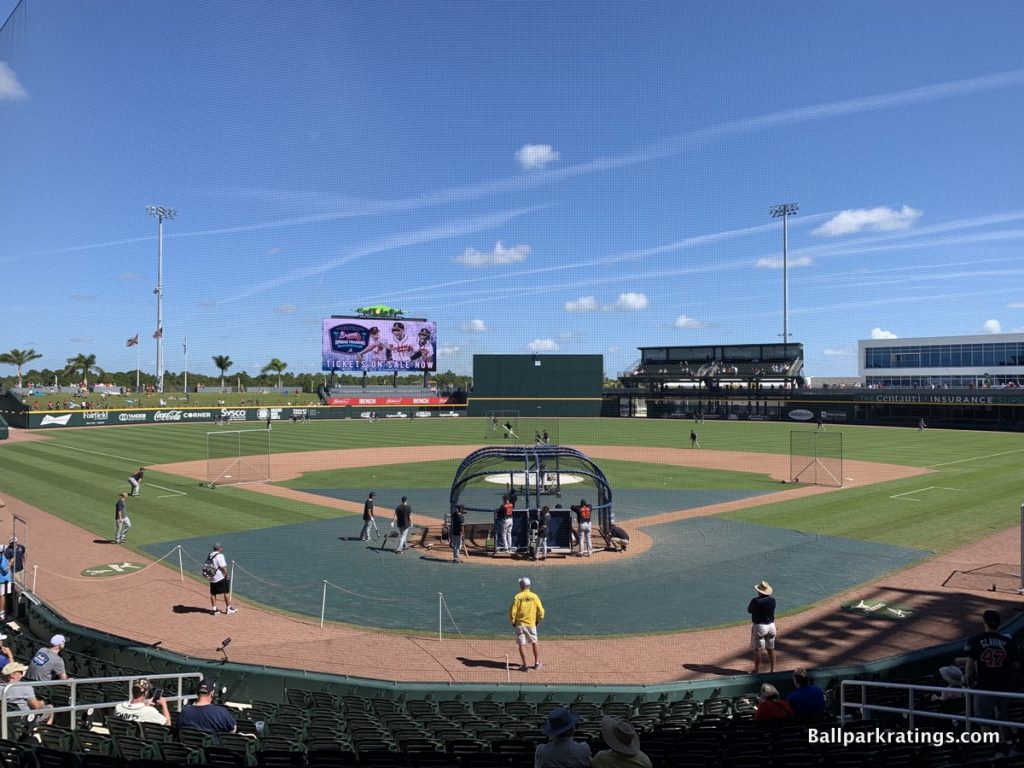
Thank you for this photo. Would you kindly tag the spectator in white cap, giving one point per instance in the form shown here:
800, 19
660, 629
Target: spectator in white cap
525, 613
18, 694
47, 663
562, 751
624, 743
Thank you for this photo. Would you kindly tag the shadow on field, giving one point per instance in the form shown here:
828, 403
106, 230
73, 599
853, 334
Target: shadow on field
190, 609
484, 663
714, 669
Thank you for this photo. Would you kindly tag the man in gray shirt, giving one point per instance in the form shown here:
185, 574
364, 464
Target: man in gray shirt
47, 664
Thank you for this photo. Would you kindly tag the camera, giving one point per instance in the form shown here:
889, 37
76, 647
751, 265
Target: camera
158, 694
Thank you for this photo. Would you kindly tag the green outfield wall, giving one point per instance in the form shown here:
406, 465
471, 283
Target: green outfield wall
537, 385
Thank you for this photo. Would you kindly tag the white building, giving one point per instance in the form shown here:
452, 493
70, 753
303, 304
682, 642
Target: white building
989, 360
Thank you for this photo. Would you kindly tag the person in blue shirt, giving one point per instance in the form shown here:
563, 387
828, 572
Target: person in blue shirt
807, 699
204, 715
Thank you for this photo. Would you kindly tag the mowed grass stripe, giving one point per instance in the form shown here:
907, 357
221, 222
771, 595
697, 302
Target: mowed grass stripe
83, 491
958, 507
620, 474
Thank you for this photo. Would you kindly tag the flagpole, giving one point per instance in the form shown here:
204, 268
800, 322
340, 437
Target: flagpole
138, 365
184, 346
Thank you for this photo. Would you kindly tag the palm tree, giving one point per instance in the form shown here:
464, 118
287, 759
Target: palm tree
84, 364
277, 367
223, 362
19, 357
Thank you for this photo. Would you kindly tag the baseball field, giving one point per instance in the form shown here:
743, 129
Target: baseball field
705, 525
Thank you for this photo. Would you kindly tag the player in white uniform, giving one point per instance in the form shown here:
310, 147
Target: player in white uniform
400, 348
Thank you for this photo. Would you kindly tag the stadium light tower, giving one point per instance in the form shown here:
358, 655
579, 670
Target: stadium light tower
160, 213
785, 210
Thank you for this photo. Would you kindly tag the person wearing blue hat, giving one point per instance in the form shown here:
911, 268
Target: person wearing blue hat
561, 751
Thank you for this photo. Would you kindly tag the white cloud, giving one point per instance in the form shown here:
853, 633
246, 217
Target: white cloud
689, 322
532, 156
275, 251
1015, 305
775, 262
880, 219
991, 326
129, 277
447, 350
10, 88
837, 352
286, 309
497, 257
631, 302
582, 304
543, 345
878, 333
81, 339
613, 350
473, 326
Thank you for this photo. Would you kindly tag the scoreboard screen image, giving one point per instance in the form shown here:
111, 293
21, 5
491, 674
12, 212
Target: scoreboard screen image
379, 346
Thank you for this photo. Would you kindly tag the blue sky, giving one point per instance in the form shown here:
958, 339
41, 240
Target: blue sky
577, 177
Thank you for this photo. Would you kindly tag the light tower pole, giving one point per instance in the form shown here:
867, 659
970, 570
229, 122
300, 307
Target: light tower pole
160, 213
785, 210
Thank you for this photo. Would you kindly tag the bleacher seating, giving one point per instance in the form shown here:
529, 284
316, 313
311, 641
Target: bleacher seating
324, 729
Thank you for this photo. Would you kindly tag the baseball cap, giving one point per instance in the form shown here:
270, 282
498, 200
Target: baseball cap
58, 640
524, 582
13, 667
991, 617
206, 685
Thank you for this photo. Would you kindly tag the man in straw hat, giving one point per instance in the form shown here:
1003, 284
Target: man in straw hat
621, 736
762, 629
561, 751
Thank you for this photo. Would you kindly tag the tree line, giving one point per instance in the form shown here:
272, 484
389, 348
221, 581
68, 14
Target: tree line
82, 369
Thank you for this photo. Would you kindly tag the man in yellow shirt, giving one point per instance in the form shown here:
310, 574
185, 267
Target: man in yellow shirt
525, 613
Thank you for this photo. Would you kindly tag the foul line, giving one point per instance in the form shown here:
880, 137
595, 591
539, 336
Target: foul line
922, 490
975, 458
162, 488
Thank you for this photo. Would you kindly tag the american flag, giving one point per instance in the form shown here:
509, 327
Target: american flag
159, 333
133, 341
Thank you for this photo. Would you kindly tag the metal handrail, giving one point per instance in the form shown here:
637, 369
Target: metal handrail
75, 682
912, 712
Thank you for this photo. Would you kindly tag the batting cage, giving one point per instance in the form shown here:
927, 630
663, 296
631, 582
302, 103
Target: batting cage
816, 457
531, 476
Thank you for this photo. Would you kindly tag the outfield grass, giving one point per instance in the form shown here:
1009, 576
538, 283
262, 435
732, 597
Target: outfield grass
78, 473
620, 475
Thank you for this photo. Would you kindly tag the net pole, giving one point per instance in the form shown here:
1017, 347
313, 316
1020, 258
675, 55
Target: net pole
1020, 590
181, 566
440, 602
323, 604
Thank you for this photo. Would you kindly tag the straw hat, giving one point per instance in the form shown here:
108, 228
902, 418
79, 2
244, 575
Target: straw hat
764, 588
